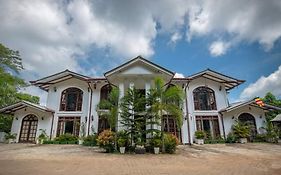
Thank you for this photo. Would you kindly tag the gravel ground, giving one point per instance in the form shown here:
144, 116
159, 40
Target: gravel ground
256, 159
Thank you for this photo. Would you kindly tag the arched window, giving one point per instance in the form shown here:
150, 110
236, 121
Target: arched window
250, 120
28, 128
204, 99
71, 99
104, 92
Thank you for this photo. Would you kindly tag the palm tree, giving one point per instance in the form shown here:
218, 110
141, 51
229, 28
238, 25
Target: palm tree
108, 108
165, 101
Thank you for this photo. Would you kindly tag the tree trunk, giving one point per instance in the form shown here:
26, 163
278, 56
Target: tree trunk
162, 131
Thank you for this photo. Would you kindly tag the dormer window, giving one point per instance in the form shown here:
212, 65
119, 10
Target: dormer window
204, 99
71, 99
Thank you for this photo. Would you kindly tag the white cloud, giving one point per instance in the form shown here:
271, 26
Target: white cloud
218, 48
178, 75
251, 21
175, 38
271, 83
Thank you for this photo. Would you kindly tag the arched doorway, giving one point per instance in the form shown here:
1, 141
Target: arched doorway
28, 129
249, 119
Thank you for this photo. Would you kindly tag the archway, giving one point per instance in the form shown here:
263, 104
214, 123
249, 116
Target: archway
249, 119
28, 129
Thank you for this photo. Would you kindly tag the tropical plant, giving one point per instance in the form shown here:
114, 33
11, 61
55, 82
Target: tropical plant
272, 132
200, 134
90, 140
65, 138
131, 103
122, 138
241, 129
9, 135
106, 140
43, 135
170, 142
111, 105
162, 101
231, 138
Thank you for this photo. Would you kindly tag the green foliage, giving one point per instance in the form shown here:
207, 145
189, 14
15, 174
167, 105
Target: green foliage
90, 140
43, 135
111, 104
272, 132
10, 83
9, 135
162, 100
131, 103
231, 138
200, 134
271, 100
122, 138
260, 138
106, 140
170, 143
214, 140
67, 138
241, 129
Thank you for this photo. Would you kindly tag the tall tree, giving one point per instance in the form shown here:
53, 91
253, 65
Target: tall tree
270, 99
10, 83
165, 101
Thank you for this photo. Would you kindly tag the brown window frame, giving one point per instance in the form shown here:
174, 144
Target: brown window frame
78, 101
62, 121
209, 93
170, 125
214, 121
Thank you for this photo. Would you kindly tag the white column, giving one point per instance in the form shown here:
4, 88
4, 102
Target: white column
121, 95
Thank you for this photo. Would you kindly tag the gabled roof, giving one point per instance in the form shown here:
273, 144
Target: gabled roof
253, 103
23, 104
228, 81
139, 59
45, 82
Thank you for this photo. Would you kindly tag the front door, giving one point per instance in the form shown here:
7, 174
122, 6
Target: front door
28, 129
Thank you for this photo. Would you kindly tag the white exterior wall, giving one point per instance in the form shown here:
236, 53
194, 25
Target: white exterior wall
230, 117
221, 102
44, 124
54, 98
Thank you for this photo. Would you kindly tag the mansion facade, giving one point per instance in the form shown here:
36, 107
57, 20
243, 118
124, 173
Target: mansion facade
73, 98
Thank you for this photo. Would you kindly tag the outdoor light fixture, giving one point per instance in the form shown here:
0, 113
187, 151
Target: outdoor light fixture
220, 88
55, 89
42, 118
86, 118
92, 118
232, 117
260, 116
95, 86
17, 118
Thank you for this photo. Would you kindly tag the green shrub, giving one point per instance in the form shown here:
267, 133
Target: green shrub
90, 140
106, 140
231, 138
9, 135
170, 143
241, 130
155, 142
200, 134
67, 138
260, 138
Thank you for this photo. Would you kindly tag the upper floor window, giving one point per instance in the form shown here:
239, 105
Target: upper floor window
204, 99
71, 99
105, 91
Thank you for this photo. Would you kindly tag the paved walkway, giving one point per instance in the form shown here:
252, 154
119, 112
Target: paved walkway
256, 159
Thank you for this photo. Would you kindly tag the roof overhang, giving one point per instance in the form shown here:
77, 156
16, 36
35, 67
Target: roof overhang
23, 104
227, 81
265, 107
44, 83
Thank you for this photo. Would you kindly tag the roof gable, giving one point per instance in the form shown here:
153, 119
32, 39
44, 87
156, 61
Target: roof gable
45, 82
229, 82
139, 65
22, 104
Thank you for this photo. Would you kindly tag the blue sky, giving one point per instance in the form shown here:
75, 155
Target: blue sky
235, 37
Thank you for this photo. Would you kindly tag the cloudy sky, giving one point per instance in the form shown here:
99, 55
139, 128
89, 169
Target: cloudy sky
235, 37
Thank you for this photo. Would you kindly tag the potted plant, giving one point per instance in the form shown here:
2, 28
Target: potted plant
200, 135
42, 137
82, 133
121, 143
10, 137
242, 131
140, 149
156, 143
106, 140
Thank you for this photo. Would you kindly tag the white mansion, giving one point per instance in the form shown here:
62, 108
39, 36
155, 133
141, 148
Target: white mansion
73, 98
